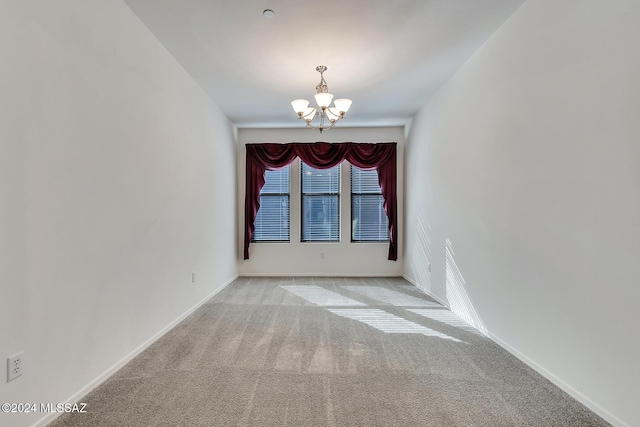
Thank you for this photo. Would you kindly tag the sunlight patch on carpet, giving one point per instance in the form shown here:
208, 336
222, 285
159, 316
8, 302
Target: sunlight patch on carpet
389, 296
444, 316
387, 322
321, 296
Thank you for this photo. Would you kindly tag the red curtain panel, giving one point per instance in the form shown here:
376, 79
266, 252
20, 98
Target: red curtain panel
321, 155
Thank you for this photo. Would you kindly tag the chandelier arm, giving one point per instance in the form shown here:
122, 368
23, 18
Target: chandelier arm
318, 128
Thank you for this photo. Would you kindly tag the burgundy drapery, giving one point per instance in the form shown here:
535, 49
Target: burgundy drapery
321, 155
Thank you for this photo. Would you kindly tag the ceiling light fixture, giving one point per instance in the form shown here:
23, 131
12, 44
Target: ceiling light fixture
329, 116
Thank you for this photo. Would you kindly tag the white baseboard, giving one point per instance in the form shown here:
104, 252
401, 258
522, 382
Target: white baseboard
319, 275
606, 415
105, 375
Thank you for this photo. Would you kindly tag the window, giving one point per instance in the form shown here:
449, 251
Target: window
320, 220
369, 222
272, 220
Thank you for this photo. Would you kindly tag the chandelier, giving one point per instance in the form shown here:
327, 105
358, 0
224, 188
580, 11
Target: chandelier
329, 116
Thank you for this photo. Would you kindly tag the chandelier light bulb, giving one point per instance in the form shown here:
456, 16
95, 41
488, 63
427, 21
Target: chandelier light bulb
323, 99
332, 114
342, 105
309, 114
299, 105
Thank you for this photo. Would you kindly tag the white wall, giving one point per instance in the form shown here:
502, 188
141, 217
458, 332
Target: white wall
304, 258
523, 193
109, 154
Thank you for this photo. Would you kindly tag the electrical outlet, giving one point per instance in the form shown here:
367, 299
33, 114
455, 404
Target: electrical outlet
193, 277
322, 255
14, 367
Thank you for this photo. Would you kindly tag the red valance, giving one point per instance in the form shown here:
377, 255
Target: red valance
321, 155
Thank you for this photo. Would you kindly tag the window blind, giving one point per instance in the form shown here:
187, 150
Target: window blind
369, 221
272, 222
320, 204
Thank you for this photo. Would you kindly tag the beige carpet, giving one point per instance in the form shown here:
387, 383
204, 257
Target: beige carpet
326, 352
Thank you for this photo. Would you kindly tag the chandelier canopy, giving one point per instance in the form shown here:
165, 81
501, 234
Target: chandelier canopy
328, 115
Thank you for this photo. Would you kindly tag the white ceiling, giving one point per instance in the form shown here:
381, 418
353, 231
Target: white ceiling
388, 56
